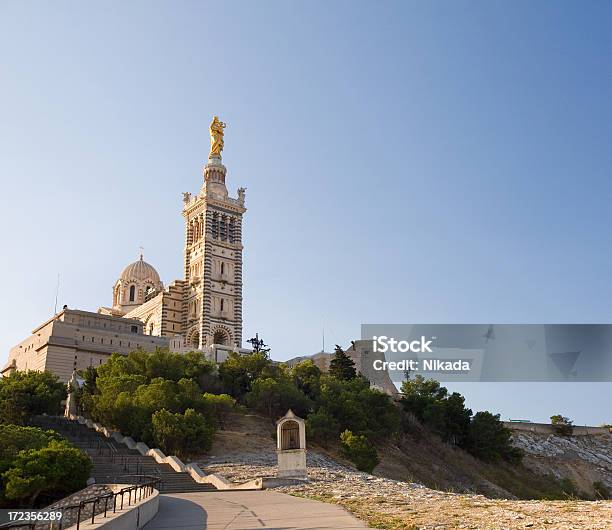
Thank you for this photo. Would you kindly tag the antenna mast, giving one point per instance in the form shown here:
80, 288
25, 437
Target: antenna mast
56, 294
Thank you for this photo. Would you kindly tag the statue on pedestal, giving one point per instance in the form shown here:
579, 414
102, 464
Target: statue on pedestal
71, 403
216, 137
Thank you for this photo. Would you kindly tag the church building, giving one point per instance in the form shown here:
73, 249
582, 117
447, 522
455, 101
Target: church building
202, 311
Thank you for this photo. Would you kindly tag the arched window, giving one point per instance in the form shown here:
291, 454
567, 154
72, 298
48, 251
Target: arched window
132, 293
215, 226
231, 230
220, 337
290, 435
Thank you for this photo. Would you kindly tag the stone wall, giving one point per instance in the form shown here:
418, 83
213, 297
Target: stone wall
69, 517
75, 339
547, 428
131, 517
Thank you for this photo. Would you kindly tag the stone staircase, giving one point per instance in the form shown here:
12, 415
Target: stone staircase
114, 462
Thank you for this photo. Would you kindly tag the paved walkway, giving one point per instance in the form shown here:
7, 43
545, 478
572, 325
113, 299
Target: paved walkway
241, 510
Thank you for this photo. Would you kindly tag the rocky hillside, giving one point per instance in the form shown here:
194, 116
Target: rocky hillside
422, 458
585, 460
395, 497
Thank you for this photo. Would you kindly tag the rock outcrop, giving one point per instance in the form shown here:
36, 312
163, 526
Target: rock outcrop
584, 460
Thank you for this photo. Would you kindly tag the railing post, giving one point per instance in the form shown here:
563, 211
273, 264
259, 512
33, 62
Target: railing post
79, 516
93, 511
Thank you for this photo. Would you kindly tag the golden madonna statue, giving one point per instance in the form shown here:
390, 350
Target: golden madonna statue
216, 136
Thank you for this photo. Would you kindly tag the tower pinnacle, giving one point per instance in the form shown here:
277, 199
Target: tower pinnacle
214, 171
216, 138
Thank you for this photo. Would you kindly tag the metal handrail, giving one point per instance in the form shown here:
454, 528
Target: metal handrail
137, 491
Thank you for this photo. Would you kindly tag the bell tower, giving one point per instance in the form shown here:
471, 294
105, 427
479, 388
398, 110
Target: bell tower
213, 255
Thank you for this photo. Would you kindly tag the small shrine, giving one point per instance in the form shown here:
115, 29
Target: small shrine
291, 446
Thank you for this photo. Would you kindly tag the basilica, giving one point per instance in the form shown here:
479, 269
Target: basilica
202, 311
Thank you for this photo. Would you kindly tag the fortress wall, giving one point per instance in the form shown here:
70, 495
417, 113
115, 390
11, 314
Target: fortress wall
363, 356
547, 428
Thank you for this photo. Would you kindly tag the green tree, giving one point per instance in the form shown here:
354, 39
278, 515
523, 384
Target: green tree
25, 394
307, 377
443, 413
84, 394
89, 376
161, 394
238, 372
163, 364
14, 438
181, 434
322, 427
275, 396
359, 450
562, 425
359, 408
221, 406
419, 393
490, 440
342, 366
434, 416
202, 371
457, 419
55, 470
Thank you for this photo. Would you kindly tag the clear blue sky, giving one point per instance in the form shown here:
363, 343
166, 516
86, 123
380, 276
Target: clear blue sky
404, 162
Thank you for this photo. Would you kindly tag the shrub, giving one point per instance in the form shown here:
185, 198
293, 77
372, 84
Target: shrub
359, 450
562, 425
568, 487
322, 427
221, 405
181, 434
601, 491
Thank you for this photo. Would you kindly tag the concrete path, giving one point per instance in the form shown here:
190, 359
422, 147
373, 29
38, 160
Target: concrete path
241, 510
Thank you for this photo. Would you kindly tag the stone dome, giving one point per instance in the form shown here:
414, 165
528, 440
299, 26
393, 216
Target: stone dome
140, 270
137, 283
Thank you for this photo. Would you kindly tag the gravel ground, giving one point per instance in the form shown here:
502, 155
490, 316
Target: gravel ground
391, 504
